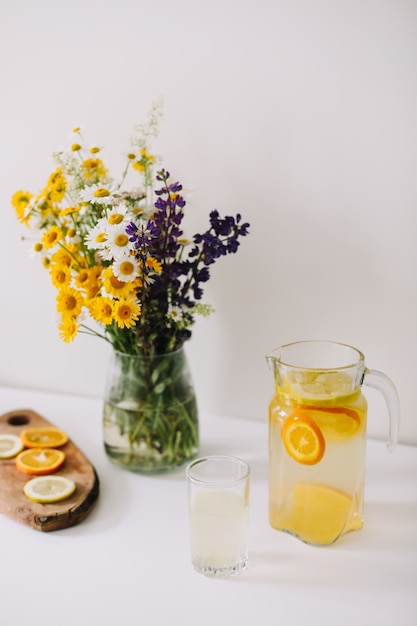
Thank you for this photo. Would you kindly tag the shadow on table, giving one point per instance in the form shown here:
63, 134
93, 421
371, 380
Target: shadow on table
383, 552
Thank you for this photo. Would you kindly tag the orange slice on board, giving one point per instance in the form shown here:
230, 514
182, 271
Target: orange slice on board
40, 461
10, 445
303, 439
43, 437
45, 489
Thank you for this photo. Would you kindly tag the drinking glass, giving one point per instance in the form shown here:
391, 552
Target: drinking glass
218, 503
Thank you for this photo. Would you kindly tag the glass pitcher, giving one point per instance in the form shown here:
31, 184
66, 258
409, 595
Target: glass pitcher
317, 438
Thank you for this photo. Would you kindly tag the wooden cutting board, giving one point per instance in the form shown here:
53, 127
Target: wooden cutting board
45, 517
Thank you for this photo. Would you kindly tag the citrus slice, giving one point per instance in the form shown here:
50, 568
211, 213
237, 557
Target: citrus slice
303, 439
40, 461
317, 386
337, 423
43, 437
318, 514
10, 445
46, 489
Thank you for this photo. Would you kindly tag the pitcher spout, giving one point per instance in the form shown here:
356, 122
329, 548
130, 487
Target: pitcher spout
273, 363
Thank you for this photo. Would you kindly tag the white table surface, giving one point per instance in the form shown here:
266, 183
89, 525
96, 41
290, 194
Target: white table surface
128, 563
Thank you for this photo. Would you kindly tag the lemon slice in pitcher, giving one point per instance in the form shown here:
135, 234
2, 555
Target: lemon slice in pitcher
10, 445
329, 513
317, 386
45, 489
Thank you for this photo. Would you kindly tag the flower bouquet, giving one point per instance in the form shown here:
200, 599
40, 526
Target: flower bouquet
125, 272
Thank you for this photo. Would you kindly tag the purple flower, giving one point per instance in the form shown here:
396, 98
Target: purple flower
183, 274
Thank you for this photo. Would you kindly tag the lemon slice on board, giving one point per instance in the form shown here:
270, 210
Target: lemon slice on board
40, 461
303, 439
10, 445
45, 489
43, 437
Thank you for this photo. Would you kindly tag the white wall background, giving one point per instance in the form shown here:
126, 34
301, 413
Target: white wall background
300, 114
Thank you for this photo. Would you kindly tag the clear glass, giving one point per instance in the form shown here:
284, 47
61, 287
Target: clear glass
150, 416
317, 438
218, 504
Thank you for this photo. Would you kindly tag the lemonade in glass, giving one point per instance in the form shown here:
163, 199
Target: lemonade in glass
218, 503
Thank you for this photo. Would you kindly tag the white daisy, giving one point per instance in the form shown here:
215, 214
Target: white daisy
148, 279
72, 236
98, 194
174, 312
119, 214
77, 130
126, 268
117, 242
96, 238
37, 250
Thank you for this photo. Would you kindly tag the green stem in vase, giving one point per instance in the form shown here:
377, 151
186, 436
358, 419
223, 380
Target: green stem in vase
151, 406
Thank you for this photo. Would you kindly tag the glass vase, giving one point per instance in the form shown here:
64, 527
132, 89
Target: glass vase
150, 419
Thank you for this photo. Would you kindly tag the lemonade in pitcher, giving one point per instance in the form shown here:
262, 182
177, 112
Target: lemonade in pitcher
317, 440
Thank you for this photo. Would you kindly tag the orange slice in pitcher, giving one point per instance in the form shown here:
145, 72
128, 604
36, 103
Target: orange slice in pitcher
303, 439
40, 461
338, 423
43, 437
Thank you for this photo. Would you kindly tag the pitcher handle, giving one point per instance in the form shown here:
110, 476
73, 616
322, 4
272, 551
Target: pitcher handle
381, 382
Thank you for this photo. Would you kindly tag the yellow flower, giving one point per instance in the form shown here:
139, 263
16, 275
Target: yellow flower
60, 276
75, 147
92, 290
69, 210
94, 169
154, 264
64, 256
68, 329
51, 237
126, 312
69, 302
94, 149
20, 202
70, 256
144, 160
147, 155
56, 186
116, 287
43, 204
138, 166
82, 278
88, 280
101, 309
